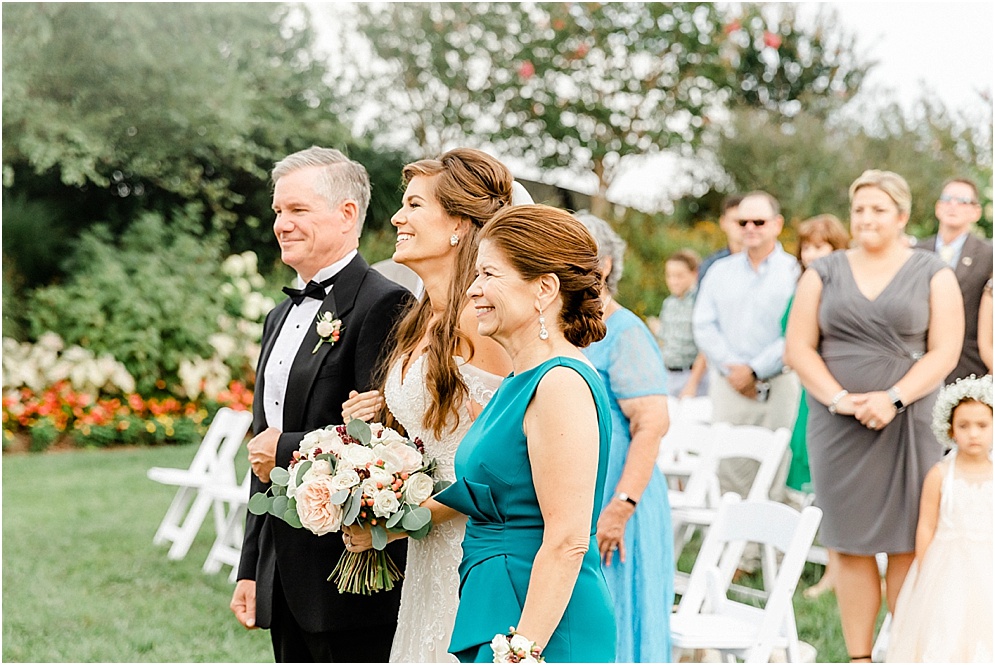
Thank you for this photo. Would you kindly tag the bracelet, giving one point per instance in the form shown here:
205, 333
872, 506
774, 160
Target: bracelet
834, 405
622, 496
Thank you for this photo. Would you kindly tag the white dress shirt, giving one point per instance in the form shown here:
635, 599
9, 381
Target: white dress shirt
288, 342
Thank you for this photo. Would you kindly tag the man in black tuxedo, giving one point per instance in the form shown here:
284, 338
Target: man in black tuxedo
957, 210
320, 199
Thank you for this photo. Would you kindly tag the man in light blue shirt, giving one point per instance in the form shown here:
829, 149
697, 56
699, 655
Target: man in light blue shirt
737, 324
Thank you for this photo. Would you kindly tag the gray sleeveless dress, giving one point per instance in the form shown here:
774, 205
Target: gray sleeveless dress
868, 482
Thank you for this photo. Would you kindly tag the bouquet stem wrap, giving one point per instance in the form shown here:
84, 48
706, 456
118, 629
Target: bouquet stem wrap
365, 573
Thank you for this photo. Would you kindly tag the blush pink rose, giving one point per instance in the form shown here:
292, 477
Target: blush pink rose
315, 508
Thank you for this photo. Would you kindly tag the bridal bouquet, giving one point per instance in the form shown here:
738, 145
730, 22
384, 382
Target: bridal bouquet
365, 475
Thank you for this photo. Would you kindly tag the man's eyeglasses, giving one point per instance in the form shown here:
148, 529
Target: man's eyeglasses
755, 222
960, 200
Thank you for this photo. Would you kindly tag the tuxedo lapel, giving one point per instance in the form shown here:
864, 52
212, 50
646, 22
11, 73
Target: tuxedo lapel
340, 302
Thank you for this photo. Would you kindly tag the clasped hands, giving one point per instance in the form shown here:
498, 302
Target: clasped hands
874, 410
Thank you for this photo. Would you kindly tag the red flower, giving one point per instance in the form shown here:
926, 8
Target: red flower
771, 40
730, 28
526, 70
582, 50
559, 24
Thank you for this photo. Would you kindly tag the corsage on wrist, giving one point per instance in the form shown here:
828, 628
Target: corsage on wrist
515, 648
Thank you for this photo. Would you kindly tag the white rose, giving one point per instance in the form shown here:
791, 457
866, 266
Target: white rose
325, 439
325, 328
385, 503
499, 645
519, 642
345, 480
321, 467
355, 455
384, 435
314, 506
403, 458
370, 488
292, 482
418, 487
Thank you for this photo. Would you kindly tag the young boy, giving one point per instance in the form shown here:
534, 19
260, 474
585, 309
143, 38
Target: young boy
686, 375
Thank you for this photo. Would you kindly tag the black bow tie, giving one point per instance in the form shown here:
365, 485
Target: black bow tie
313, 289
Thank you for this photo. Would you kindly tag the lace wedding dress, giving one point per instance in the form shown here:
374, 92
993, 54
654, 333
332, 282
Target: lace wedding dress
430, 592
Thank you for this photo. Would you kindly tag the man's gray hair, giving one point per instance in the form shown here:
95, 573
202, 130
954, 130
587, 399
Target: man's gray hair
341, 178
610, 244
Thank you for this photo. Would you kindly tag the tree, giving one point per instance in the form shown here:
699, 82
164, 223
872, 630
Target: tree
582, 85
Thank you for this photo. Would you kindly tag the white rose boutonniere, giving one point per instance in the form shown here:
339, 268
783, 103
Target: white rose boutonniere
329, 329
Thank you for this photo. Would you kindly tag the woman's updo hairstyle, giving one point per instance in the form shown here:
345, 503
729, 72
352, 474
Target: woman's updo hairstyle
539, 240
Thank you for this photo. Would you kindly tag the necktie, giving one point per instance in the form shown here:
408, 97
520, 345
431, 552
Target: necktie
947, 254
312, 289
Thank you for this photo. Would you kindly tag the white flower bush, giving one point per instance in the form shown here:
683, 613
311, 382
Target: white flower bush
40, 365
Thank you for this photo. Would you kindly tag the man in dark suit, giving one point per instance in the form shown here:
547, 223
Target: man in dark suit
320, 199
958, 209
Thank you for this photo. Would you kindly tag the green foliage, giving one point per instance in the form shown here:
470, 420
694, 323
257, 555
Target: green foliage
35, 239
809, 163
149, 299
583, 85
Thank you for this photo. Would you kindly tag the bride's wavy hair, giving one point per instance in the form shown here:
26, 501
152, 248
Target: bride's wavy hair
473, 185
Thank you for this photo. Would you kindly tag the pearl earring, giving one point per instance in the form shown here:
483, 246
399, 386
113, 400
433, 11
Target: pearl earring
454, 240
543, 333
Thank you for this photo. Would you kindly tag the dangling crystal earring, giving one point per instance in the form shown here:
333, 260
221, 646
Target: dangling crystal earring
543, 333
454, 240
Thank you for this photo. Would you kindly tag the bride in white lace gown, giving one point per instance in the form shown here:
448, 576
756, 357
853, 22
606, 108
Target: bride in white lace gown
441, 373
430, 592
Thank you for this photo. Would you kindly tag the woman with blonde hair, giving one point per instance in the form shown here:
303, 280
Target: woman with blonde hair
873, 332
439, 373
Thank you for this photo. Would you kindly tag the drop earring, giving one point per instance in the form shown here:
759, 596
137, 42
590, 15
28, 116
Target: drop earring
543, 333
454, 240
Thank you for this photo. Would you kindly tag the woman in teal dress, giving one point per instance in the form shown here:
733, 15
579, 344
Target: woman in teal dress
531, 471
635, 536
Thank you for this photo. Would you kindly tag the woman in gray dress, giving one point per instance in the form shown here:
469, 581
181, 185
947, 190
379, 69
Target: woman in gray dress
873, 332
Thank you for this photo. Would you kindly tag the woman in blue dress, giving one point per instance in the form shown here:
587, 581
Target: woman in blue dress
531, 471
635, 537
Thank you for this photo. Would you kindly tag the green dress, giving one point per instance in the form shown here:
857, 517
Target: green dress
799, 476
494, 487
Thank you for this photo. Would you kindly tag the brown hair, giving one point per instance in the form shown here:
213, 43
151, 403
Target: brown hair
822, 229
473, 185
962, 181
688, 257
539, 240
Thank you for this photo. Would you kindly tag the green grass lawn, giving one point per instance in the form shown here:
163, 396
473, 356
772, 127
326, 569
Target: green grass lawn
82, 581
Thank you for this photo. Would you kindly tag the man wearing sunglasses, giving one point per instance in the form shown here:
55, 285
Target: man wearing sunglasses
958, 210
737, 324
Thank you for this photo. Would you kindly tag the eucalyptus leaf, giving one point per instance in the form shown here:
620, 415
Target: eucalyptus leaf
441, 485
395, 518
379, 537
360, 430
339, 497
351, 509
279, 476
422, 532
416, 519
292, 518
259, 504
279, 506
302, 468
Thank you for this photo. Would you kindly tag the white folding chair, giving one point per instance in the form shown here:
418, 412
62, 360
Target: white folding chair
708, 619
227, 547
760, 444
681, 454
213, 465
695, 409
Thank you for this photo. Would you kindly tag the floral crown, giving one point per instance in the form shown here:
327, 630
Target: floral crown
972, 387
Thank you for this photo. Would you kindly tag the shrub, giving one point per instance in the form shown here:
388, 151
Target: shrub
152, 299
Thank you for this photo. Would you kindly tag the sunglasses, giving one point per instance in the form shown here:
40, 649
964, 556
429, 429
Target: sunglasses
755, 222
960, 200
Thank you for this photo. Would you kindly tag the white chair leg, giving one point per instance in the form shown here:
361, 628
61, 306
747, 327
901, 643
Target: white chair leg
171, 522
191, 525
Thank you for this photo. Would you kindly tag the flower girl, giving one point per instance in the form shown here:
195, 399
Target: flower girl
944, 611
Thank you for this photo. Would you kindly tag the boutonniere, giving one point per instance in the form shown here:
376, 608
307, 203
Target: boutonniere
329, 328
